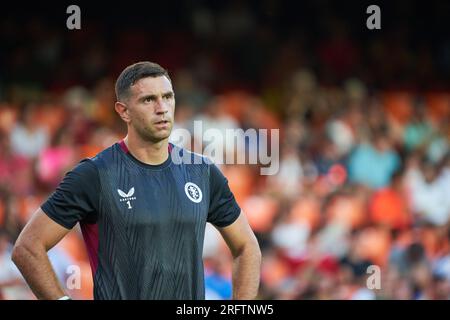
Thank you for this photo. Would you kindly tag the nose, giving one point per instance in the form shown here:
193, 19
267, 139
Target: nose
161, 107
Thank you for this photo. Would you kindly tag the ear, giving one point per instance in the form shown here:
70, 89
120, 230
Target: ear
122, 110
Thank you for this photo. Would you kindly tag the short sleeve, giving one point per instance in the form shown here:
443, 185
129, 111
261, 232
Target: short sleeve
76, 198
223, 208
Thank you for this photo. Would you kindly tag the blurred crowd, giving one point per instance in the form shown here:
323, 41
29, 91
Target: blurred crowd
364, 177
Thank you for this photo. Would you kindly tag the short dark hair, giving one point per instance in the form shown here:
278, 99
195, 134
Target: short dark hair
131, 74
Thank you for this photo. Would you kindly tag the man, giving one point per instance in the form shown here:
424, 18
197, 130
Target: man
142, 212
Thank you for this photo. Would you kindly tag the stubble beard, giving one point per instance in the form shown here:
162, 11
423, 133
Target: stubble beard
152, 135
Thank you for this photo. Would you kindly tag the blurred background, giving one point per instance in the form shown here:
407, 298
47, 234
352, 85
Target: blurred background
363, 115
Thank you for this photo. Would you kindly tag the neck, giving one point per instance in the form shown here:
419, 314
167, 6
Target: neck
147, 152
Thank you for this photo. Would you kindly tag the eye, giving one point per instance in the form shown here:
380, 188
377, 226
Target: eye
148, 99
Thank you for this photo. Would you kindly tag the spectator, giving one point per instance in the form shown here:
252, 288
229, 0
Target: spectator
373, 163
428, 186
28, 138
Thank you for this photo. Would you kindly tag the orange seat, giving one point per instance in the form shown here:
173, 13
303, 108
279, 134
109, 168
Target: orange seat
438, 105
349, 210
374, 243
398, 105
390, 208
260, 212
306, 210
240, 180
51, 117
8, 118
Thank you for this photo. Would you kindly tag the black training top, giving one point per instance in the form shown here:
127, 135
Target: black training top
144, 224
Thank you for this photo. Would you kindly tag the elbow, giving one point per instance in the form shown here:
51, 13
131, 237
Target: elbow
22, 251
18, 252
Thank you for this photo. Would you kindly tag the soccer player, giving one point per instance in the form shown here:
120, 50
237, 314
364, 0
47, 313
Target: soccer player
141, 211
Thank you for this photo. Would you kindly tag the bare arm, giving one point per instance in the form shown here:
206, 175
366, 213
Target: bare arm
30, 255
246, 258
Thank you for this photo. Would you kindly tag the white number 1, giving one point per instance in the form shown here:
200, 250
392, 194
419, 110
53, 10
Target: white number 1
129, 204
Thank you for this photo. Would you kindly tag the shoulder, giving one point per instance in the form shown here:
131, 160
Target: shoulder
83, 174
89, 167
85, 167
104, 157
